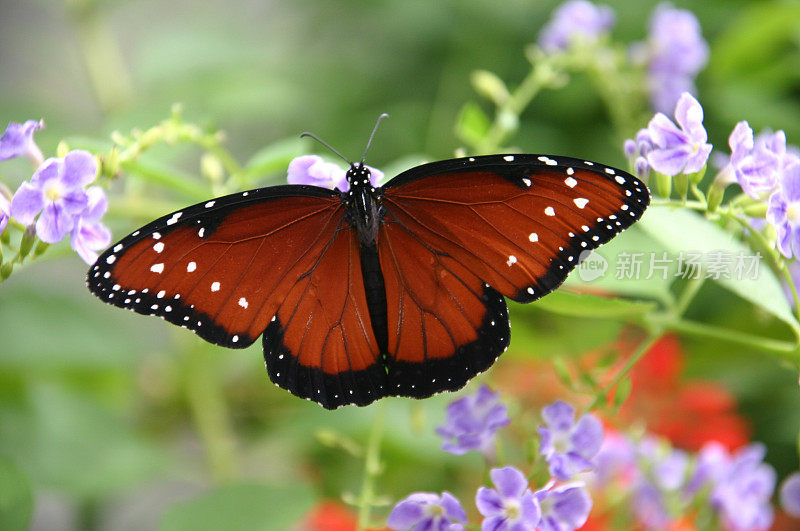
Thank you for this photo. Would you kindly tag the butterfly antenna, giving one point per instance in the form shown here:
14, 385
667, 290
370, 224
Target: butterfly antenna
369, 142
318, 139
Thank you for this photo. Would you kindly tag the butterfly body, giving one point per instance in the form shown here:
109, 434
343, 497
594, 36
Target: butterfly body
373, 291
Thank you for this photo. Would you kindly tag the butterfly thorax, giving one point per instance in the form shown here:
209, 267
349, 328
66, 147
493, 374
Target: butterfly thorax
363, 204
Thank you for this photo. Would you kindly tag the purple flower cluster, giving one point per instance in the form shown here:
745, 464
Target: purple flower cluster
55, 197
315, 171
675, 53
569, 446
672, 149
574, 21
472, 422
664, 482
510, 504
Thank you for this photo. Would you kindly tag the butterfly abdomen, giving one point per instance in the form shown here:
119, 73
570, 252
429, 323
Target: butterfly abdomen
375, 291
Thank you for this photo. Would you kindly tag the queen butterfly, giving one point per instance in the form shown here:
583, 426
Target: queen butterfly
397, 290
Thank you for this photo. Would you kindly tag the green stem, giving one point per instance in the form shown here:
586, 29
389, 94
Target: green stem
785, 349
688, 294
521, 97
637, 355
207, 404
372, 467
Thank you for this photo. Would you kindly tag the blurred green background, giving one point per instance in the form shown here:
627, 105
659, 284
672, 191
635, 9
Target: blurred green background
118, 421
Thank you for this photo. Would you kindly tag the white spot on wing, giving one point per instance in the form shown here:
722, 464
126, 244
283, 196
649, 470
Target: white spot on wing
209, 204
110, 259
158, 247
509, 158
156, 236
191, 266
526, 181
201, 231
160, 294
549, 211
511, 260
118, 248
174, 219
619, 179
243, 302
571, 182
580, 202
533, 237
157, 268
610, 171
215, 286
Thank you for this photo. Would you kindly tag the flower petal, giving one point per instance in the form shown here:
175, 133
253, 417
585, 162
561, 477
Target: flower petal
664, 133
54, 224
47, 170
89, 237
80, 168
790, 494
26, 203
97, 204
510, 482
689, 115
452, 507
588, 436
488, 502
17, 141
559, 415
668, 161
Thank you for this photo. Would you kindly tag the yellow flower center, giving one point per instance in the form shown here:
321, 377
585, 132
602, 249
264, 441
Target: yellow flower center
512, 509
54, 190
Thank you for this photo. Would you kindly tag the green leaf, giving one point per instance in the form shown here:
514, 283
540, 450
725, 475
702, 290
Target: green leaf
585, 305
472, 124
273, 158
16, 499
622, 392
242, 506
187, 185
684, 231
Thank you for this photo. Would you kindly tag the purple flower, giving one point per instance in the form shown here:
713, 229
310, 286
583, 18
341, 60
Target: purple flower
616, 460
564, 508
758, 163
89, 234
575, 20
677, 52
5, 212
569, 446
742, 493
683, 149
663, 474
57, 191
314, 171
472, 422
510, 506
17, 141
783, 210
711, 464
429, 512
790, 494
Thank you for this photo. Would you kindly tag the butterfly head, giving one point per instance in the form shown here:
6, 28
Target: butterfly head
358, 176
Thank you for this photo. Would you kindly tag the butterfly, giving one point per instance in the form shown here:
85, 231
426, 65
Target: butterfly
396, 290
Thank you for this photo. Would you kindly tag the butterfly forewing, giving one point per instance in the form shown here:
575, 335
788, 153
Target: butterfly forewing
222, 267
519, 222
